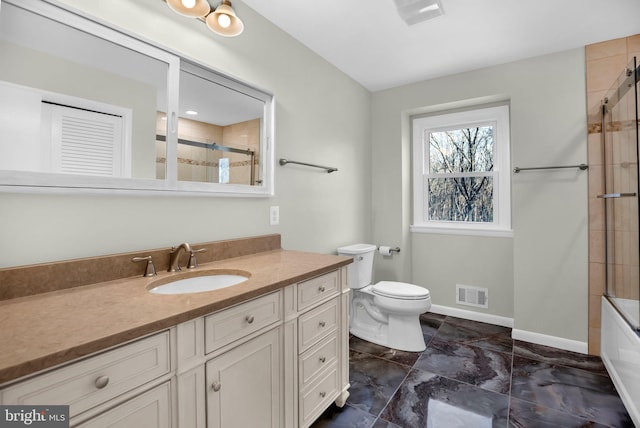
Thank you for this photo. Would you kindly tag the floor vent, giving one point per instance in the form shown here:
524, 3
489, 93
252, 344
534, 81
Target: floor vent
472, 296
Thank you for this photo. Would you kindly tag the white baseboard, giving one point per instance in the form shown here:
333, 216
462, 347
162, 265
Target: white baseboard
524, 335
553, 341
472, 315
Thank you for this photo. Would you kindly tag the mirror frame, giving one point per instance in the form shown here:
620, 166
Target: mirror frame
42, 182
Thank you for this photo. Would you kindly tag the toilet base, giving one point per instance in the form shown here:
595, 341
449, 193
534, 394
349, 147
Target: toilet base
401, 332
381, 337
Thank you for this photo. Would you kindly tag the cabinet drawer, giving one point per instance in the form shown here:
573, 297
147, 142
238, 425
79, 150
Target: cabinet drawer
97, 379
316, 359
150, 409
317, 323
317, 289
315, 400
232, 324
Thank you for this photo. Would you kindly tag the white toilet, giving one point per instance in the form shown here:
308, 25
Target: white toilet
386, 313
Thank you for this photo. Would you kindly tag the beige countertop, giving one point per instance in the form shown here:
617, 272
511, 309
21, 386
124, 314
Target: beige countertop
44, 330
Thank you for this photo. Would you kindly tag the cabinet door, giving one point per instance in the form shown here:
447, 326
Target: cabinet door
149, 409
244, 385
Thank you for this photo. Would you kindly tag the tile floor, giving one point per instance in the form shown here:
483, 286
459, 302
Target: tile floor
473, 375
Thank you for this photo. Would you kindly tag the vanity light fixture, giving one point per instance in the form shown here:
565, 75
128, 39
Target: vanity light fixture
222, 20
190, 8
415, 11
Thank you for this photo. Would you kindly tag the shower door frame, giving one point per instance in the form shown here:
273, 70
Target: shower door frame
628, 274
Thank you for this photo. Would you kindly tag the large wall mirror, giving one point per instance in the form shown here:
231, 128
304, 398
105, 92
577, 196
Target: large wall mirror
83, 106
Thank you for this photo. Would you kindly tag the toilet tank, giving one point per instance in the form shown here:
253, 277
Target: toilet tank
359, 272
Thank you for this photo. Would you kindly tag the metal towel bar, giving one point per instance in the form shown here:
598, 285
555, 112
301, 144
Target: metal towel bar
582, 167
616, 195
329, 169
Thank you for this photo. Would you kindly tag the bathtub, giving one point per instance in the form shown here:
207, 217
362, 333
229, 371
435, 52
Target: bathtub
620, 352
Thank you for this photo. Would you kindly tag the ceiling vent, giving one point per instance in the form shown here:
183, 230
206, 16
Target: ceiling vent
416, 11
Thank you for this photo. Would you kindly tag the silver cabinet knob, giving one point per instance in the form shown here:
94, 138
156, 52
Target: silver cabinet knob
216, 386
322, 323
249, 319
101, 382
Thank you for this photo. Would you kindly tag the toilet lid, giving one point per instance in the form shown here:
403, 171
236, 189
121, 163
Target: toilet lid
400, 290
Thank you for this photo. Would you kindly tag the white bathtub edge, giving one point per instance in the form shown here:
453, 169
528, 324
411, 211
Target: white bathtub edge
610, 347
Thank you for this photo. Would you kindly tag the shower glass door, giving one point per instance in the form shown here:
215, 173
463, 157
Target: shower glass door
622, 237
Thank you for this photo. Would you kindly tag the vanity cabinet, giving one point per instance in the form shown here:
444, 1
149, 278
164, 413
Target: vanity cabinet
277, 361
274, 361
122, 381
317, 317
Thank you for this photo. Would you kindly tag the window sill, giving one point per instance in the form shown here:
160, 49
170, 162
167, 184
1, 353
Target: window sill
495, 232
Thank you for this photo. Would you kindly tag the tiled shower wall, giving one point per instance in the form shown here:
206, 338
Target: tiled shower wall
199, 164
605, 61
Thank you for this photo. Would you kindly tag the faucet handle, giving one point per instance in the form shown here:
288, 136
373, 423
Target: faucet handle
150, 269
193, 262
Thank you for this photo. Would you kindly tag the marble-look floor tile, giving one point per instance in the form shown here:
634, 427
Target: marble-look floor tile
346, 417
430, 323
476, 366
569, 390
373, 381
559, 357
381, 423
428, 400
487, 336
400, 357
523, 414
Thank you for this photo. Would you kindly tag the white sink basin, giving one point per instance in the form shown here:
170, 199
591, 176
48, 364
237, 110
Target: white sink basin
198, 282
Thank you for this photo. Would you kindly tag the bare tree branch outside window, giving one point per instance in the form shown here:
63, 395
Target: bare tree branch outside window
460, 185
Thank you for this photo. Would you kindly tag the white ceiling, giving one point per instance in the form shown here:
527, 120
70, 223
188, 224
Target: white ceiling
367, 40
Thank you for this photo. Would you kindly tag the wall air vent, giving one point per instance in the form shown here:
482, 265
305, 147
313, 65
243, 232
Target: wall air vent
472, 296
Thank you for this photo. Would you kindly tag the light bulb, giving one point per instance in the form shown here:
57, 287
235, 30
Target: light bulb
189, 4
223, 20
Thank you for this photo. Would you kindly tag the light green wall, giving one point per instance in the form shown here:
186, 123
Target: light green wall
321, 116
538, 277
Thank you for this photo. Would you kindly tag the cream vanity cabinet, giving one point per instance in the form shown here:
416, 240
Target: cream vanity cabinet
124, 387
276, 361
316, 330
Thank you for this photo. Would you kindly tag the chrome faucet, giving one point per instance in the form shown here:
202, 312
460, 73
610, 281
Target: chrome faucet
174, 256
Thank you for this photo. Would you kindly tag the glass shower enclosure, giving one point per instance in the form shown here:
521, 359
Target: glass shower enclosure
620, 147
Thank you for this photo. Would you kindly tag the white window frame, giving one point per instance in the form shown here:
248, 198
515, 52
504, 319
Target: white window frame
421, 126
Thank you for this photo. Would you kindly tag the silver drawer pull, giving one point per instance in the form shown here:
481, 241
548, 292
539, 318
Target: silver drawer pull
249, 319
101, 382
321, 289
216, 386
323, 359
322, 323
323, 394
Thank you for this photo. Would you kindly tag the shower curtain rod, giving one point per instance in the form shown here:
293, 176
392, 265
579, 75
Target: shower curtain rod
582, 167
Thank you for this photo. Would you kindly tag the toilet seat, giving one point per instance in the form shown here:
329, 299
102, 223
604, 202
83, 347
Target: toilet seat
400, 290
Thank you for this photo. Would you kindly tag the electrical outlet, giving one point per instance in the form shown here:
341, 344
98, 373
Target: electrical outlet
274, 215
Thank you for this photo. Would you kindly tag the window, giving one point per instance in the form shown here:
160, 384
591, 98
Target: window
461, 181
